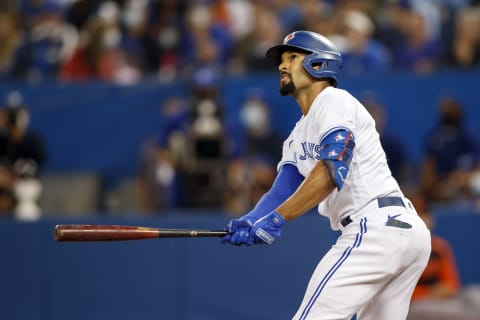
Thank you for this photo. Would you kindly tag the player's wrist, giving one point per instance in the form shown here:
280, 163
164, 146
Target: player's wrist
281, 214
281, 220
268, 228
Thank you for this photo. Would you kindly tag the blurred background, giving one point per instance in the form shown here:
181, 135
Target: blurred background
165, 113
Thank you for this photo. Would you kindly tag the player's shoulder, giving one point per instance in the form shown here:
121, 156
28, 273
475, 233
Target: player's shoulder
337, 93
332, 95
334, 99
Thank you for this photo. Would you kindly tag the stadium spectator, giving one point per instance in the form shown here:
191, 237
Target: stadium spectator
11, 35
163, 38
7, 196
208, 140
47, 41
22, 156
22, 148
465, 47
439, 294
249, 51
361, 53
252, 171
419, 51
184, 164
99, 55
134, 28
78, 12
391, 20
451, 155
319, 16
261, 141
440, 279
206, 42
395, 151
160, 159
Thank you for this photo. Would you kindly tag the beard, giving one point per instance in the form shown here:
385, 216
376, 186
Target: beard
287, 89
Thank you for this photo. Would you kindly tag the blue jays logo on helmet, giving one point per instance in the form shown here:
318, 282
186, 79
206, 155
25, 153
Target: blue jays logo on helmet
289, 37
320, 51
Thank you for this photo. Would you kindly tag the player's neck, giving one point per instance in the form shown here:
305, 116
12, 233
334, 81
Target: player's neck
306, 96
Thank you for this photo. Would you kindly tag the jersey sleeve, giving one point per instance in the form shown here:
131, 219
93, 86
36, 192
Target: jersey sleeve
288, 153
338, 112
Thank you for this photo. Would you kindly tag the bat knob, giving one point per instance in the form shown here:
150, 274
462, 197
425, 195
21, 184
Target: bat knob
56, 231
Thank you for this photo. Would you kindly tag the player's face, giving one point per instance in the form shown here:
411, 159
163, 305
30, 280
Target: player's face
292, 74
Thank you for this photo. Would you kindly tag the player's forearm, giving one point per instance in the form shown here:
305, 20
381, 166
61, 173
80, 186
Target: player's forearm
316, 187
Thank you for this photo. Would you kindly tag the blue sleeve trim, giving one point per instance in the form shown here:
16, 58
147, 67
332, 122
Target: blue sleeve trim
286, 183
281, 164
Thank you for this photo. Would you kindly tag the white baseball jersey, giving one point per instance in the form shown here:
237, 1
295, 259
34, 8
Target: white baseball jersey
373, 267
369, 176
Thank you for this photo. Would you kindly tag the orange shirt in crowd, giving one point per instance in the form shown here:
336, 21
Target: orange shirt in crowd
440, 278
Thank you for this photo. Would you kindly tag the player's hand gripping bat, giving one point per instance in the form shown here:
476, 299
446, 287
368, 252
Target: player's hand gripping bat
80, 232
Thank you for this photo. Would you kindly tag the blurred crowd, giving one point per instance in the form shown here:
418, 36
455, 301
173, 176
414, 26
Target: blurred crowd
196, 159
127, 41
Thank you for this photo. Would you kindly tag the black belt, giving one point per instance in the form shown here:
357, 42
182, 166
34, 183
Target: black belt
382, 202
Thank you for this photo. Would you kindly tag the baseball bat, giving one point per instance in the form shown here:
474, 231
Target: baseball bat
83, 232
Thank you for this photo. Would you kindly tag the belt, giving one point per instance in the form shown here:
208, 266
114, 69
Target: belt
382, 202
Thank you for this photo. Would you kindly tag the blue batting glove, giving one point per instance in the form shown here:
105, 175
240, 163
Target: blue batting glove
267, 229
239, 231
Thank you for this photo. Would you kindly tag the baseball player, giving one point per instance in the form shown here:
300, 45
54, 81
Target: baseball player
333, 159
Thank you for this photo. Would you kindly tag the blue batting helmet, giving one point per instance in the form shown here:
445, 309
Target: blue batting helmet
322, 51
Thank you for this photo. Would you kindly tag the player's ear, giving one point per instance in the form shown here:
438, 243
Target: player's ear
317, 66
